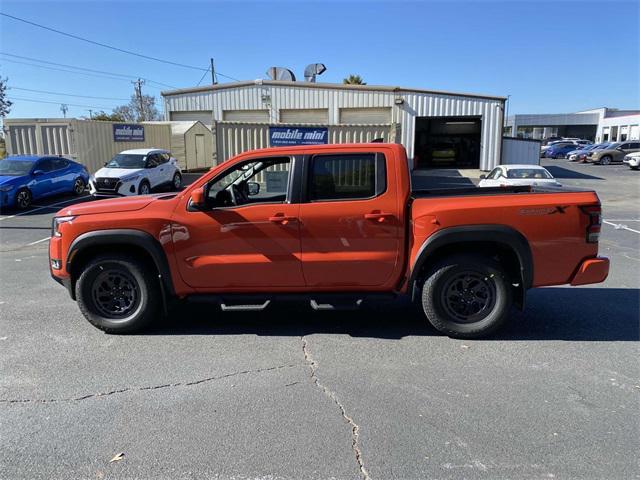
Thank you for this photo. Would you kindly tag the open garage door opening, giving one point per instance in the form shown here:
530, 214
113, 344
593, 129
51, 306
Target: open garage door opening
447, 142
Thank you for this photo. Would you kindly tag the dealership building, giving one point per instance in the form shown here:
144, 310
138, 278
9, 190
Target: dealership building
599, 125
439, 129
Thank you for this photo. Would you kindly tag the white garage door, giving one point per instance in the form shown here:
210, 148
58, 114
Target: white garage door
365, 115
258, 116
204, 116
316, 115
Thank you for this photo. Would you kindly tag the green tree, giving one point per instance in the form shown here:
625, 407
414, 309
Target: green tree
354, 80
138, 111
108, 117
5, 103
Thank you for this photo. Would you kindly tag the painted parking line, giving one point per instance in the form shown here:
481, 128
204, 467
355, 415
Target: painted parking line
620, 226
53, 205
38, 241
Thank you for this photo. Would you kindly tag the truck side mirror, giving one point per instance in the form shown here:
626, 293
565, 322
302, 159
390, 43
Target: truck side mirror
197, 199
254, 188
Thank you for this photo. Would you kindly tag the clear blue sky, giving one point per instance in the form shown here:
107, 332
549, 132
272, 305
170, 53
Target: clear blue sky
550, 57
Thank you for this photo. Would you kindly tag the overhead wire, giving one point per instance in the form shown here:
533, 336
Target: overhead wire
111, 47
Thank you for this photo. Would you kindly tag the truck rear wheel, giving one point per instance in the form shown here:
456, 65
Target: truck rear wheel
467, 296
118, 294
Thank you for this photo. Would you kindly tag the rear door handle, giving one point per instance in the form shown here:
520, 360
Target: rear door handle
282, 219
377, 216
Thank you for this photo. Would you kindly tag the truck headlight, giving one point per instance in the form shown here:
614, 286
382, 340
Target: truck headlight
6, 188
57, 221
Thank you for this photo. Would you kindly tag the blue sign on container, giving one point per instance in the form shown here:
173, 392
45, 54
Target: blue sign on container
286, 136
128, 132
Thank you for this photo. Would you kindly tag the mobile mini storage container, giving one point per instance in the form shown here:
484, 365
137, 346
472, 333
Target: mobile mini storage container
89, 142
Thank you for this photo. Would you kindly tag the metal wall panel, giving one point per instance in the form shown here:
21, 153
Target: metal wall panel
22, 140
365, 115
233, 138
517, 151
55, 139
204, 116
307, 115
245, 115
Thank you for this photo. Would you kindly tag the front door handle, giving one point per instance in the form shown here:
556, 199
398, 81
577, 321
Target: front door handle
282, 219
377, 216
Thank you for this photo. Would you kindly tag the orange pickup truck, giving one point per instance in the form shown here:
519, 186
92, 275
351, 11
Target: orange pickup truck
336, 225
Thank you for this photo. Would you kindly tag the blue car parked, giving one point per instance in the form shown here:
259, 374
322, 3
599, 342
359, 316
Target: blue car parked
560, 151
24, 178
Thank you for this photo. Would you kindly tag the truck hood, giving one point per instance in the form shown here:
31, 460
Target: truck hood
111, 205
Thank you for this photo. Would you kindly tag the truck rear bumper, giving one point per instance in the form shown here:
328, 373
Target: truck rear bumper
592, 270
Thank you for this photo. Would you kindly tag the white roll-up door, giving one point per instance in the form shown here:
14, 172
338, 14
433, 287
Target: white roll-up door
365, 115
315, 115
258, 116
204, 116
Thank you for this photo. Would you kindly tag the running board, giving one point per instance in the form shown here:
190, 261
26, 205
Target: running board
244, 308
336, 306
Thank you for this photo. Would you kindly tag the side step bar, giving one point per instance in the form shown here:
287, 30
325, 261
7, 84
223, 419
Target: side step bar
335, 306
245, 308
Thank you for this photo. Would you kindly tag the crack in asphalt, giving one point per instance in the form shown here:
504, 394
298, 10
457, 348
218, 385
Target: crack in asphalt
152, 387
355, 429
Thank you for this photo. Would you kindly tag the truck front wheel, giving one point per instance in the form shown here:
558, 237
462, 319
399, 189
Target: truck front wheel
118, 294
467, 296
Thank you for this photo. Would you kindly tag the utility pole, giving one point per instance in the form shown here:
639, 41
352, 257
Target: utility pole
90, 114
138, 88
64, 108
213, 73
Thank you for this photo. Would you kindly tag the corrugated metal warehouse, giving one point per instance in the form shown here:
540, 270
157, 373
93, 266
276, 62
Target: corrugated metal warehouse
439, 129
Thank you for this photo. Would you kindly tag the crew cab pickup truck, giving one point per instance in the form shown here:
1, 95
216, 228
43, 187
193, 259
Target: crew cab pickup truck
336, 225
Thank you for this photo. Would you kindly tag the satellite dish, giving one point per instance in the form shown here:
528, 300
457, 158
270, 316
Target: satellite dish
280, 73
312, 70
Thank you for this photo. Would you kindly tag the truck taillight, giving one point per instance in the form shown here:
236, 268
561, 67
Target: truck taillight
595, 221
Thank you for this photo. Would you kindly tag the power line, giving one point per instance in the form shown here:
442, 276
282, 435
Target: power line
123, 75
202, 78
67, 94
104, 45
57, 103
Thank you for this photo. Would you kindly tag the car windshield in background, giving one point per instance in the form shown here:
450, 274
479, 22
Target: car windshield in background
15, 167
528, 173
127, 161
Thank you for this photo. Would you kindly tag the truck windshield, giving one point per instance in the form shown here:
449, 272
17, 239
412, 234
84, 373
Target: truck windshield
14, 168
127, 161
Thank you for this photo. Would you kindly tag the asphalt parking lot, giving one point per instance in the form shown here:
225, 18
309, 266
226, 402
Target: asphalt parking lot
293, 394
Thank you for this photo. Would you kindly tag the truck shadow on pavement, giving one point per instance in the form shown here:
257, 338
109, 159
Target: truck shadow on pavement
569, 314
561, 172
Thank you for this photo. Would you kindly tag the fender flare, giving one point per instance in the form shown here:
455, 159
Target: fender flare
127, 236
501, 234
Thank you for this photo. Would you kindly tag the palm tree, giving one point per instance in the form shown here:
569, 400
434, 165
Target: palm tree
354, 80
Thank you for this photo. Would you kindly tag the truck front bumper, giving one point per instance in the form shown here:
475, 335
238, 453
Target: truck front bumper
592, 270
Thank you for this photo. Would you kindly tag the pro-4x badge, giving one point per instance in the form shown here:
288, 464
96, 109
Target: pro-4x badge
544, 210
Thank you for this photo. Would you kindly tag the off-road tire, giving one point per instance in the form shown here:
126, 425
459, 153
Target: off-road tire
92, 296
437, 297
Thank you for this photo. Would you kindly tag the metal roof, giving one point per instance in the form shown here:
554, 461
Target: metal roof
338, 86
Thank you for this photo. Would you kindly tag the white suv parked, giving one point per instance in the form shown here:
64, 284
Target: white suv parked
136, 172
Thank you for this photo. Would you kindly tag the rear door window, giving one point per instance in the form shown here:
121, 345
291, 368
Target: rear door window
346, 177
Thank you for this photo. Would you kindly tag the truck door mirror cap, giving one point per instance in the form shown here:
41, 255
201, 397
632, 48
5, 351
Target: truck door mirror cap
197, 198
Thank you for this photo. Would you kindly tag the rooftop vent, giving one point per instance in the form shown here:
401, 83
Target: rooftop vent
280, 73
312, 70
